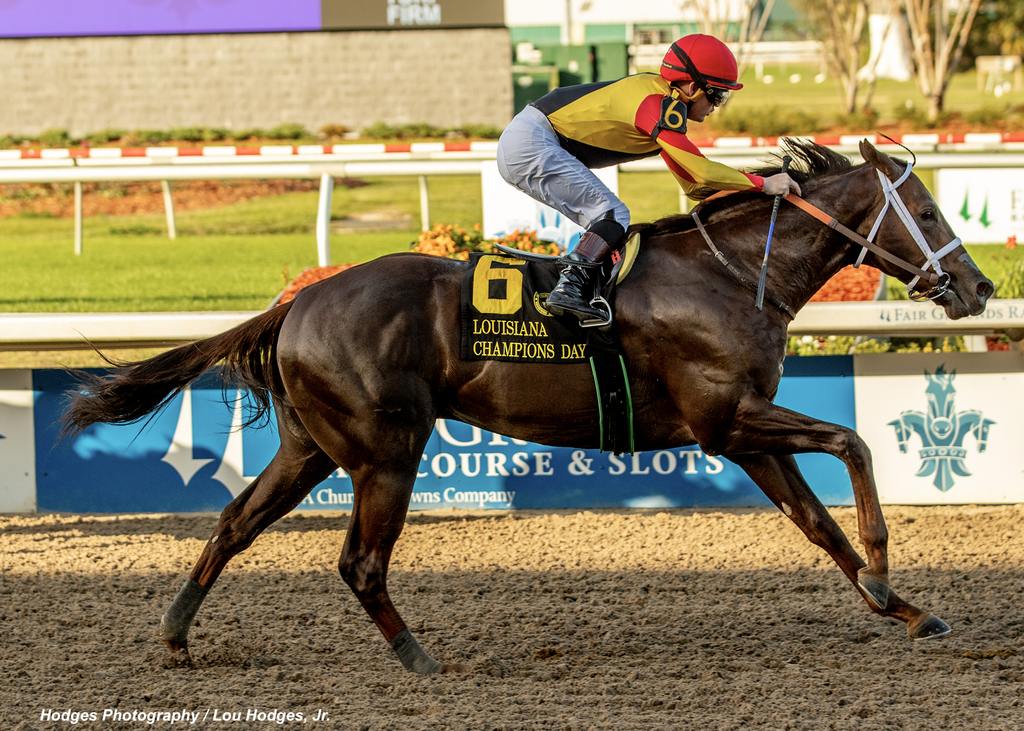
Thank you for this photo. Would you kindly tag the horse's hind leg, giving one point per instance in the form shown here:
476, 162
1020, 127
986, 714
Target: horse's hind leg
782, 482
378, 516
297, 467
381, 452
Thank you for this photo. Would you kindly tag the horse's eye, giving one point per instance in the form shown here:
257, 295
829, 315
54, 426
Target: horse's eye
928, 214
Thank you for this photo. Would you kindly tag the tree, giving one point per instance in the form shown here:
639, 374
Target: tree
840, 25
938, 36
739, 23
997, 29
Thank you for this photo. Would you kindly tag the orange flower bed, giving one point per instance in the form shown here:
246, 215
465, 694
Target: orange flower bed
308, 277
850, 285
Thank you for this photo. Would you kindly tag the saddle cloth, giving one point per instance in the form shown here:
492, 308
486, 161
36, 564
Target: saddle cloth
502, 310
504, 318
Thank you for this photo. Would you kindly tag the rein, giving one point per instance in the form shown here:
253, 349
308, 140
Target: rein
938, 279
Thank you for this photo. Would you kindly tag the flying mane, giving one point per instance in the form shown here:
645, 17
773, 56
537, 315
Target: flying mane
811, 162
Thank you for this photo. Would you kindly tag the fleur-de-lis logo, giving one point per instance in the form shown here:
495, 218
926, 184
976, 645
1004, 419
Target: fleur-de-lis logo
942, 431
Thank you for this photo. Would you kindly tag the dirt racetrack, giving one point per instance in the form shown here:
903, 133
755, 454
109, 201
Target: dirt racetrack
680, 619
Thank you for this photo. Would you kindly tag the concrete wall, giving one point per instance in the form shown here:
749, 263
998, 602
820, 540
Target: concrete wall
444, 77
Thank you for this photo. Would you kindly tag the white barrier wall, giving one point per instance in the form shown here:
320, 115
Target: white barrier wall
507, 209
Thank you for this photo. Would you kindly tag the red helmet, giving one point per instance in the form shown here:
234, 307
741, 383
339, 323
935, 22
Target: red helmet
701, 58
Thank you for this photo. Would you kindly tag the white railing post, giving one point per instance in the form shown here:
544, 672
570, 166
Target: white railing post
78, 218
323, 221
424, 204
172, 231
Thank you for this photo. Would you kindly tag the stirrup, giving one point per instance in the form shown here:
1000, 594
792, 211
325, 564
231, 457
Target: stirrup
600, 303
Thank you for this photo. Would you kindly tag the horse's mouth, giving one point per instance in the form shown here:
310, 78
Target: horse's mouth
956, 307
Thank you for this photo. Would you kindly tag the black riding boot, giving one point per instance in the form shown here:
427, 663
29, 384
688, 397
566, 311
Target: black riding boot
575, 284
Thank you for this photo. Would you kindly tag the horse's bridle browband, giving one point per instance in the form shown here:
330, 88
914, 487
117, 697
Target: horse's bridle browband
938, 279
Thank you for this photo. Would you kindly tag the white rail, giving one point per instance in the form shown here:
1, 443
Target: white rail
423, 159
138, 329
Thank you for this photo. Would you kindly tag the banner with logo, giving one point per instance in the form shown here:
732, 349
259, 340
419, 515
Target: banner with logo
943, 427
397, 14
193, 456
983, 205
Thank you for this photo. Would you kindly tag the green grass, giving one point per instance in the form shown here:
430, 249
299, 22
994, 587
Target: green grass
231, 258
236, 257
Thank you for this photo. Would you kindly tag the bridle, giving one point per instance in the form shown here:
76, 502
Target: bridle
938, 279
893, 200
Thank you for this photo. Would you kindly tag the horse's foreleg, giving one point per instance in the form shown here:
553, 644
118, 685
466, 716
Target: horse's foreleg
378, 516
295, 470
762, 427
782, 482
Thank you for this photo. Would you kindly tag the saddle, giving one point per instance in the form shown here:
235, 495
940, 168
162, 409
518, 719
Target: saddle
613, 271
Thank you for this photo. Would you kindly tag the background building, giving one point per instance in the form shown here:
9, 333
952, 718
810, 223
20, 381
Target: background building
87, 65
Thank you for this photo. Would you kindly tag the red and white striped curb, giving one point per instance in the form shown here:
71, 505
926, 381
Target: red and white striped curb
967, 139
221, 151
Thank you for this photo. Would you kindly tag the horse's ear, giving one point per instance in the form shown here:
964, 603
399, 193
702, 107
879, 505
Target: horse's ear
878, 160
868, 152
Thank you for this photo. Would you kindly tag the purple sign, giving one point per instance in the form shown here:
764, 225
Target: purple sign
19, 18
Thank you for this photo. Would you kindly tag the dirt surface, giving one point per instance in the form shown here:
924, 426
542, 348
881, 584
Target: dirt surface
682, 619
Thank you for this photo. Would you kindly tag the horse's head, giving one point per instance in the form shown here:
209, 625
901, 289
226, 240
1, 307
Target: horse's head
913, 228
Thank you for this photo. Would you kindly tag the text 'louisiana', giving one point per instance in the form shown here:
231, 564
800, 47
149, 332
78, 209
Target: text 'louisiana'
512, 328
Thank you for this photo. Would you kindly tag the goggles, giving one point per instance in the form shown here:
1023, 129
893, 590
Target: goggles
717, 97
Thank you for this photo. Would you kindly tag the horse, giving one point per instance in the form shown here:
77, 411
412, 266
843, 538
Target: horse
359, 366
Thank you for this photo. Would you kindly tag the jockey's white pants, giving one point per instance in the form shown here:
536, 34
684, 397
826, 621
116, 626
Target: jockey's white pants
531, 159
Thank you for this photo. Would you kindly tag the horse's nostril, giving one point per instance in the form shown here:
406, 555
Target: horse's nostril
985, 289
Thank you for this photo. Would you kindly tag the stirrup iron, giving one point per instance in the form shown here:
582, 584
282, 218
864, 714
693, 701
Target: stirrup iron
600, 303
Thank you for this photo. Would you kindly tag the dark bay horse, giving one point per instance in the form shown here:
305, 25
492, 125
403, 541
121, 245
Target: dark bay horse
360, 366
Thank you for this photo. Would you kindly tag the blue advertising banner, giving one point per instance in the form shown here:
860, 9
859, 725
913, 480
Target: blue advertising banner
193, 456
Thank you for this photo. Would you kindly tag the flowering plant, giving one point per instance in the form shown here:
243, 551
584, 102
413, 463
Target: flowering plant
456, 242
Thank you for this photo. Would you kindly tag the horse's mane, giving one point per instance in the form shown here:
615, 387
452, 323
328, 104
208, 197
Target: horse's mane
811, 162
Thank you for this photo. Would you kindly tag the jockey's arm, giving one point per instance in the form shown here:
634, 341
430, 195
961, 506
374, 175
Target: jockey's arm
666, 123
693, 171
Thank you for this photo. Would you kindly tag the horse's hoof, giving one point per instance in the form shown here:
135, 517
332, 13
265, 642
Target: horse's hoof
178, 655
875, 588
927, 627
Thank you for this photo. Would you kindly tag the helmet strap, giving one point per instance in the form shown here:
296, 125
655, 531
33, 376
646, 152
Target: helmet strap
678, 86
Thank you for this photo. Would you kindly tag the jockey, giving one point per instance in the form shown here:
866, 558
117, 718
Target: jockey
547, 151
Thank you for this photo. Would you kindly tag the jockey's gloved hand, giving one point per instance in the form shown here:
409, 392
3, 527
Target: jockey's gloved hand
780, 184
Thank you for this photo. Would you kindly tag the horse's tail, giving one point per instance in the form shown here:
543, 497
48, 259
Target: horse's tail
136, 389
